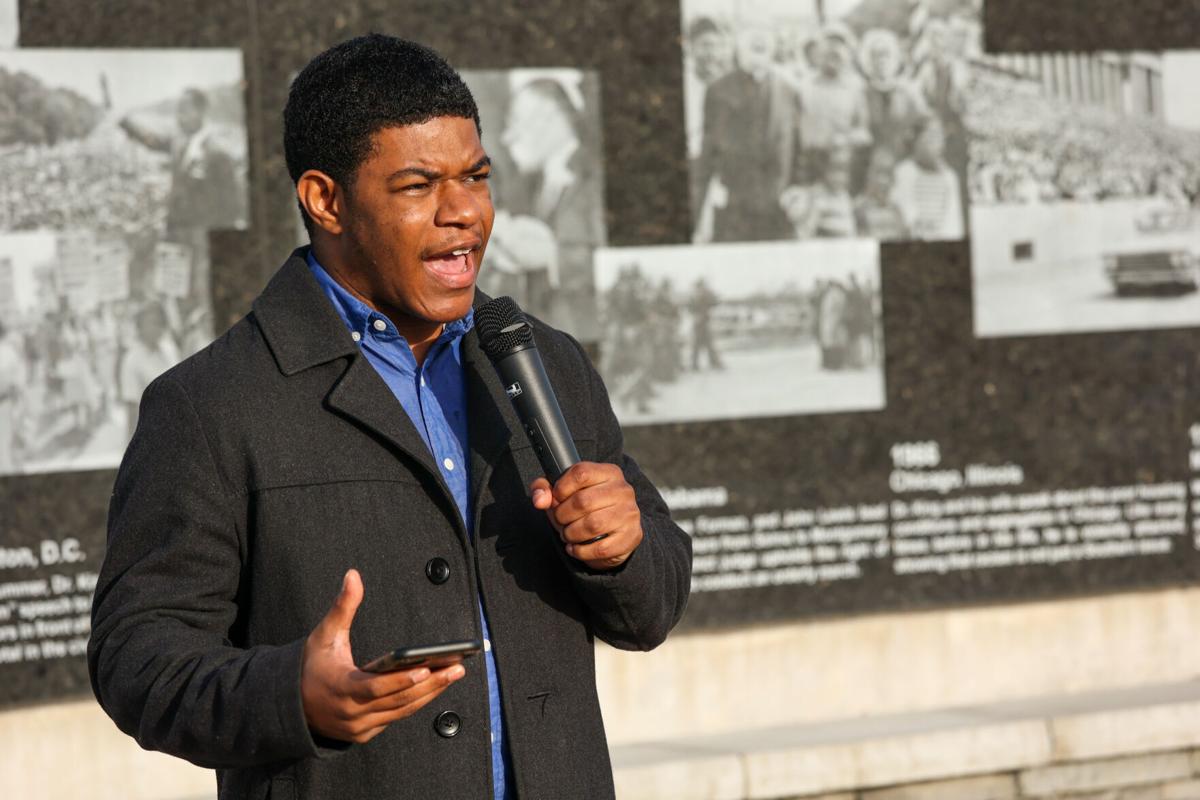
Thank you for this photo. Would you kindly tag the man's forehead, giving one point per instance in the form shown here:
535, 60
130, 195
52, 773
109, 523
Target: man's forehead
439, 139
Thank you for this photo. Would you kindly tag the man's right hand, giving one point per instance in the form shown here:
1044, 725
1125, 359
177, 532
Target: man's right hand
343, 702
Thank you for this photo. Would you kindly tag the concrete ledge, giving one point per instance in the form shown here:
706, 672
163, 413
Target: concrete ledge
771, 676
47, 748
1030, 739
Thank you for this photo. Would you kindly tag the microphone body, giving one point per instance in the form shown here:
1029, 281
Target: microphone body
526, 384
507, 339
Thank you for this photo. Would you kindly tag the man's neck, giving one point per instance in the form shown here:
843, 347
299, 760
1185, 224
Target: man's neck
420, 334
931, 165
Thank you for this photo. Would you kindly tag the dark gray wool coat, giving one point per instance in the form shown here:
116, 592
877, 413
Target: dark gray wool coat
273, 460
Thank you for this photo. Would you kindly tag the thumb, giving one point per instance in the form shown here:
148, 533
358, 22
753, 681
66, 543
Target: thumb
337, 621
539, 492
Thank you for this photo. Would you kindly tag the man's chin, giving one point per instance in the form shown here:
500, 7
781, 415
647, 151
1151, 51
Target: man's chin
455, 307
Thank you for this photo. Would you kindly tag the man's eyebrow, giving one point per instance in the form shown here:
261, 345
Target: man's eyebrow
427, 174
433, 175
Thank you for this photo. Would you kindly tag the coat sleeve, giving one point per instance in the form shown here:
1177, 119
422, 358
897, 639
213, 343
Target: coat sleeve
634, 606
161, 660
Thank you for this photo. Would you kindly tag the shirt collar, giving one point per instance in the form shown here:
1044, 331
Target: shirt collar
360, 317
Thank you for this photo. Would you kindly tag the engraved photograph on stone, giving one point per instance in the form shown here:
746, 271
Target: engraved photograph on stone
541, 128
729, 331
117, 165
828, 118
1085, 180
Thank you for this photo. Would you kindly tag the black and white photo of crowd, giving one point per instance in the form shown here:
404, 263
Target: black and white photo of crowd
1085, 192
117, 164
828, 118
541, 128
794, 328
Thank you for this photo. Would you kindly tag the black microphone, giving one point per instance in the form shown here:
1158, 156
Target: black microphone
507, 339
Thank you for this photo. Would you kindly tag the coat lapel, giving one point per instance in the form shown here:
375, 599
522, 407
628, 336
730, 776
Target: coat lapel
303, 331
363, 397
492, 419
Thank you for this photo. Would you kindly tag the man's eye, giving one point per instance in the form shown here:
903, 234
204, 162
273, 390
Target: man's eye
415, 187
479, 178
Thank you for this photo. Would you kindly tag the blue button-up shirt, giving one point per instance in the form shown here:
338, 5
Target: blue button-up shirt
434, 396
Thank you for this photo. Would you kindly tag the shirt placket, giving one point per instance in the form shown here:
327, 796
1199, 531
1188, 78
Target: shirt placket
448, 454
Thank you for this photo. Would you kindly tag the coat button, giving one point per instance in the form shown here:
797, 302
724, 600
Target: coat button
447, 724
437, 570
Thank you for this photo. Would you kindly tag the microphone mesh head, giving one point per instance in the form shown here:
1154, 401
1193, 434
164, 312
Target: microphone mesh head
502, 327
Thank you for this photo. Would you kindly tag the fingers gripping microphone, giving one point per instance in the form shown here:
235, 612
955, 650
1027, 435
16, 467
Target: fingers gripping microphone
507, 339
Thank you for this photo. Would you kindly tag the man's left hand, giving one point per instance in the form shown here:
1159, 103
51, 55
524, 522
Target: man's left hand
591, 500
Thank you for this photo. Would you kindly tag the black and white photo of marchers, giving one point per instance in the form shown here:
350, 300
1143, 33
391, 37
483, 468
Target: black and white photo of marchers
729, 331
1085, 192
541, 128
828, 118
117, 163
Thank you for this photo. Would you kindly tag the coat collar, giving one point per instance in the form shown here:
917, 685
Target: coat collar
299, 323
303, 331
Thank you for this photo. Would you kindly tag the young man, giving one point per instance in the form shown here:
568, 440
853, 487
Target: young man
349, 431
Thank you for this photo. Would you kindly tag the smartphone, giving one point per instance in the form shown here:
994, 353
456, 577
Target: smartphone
434, 656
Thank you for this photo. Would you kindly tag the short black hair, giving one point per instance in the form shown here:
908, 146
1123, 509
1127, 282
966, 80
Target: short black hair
357, 88
701, 26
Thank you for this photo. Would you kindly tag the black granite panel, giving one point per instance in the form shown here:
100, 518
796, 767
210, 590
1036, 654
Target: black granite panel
1089, 410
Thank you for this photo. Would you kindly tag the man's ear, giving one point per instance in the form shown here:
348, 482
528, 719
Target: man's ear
323, 199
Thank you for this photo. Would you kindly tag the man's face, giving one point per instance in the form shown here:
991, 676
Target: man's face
930, 144
534, 129
151, 324
417, 218
188, 115
755, 50
882, 61
711, 51
832, 60
879, 179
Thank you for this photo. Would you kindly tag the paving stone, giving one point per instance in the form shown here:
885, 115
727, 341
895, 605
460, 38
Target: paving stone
1181, 790
896, 760
719, 777
1126, 731
983, 787
1112, 773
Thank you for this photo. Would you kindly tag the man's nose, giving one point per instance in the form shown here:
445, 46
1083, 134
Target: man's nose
460, 205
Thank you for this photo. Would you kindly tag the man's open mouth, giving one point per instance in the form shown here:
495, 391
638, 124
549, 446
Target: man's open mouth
456, 262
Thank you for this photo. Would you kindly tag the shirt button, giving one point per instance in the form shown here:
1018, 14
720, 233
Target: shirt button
422, 380
356, 336
437, 570
448, 464
487, 645
379, 325
447, 724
